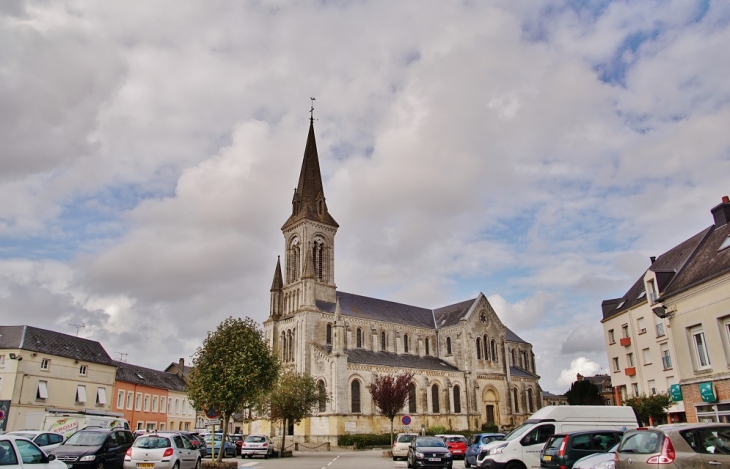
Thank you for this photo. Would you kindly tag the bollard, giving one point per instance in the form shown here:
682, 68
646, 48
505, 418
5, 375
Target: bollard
328, 446
296, 446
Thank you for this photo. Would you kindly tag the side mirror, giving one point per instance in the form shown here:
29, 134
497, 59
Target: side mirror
51, 457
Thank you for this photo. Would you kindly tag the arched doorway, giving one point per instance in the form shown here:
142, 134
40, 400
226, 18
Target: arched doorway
490, 406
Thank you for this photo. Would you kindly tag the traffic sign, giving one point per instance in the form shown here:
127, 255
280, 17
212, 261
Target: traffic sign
211, 422
406, 420
213, 412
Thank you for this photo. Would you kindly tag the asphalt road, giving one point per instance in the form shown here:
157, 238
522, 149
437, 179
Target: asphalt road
331, 460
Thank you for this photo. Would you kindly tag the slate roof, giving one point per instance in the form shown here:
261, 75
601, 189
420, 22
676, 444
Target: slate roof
380, 310
666, 267
395, 360
53, 343
549, 394
512, 337
450, 315
128, 373
514, 371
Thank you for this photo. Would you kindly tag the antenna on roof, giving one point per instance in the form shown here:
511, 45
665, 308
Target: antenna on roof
121, 356
311, 111
78, 328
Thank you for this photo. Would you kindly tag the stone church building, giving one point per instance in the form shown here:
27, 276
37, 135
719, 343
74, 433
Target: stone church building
469, 368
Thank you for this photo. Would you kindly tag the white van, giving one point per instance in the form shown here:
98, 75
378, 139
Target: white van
520, 449
67, 423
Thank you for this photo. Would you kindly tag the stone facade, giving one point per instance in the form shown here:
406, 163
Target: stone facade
469, 368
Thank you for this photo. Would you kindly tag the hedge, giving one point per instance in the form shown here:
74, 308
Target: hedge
364, 440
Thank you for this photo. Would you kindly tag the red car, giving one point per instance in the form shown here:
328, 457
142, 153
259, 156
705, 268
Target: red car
456, 445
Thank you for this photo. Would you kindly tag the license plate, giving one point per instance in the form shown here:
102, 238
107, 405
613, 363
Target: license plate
434, 459
547, 458
146, 464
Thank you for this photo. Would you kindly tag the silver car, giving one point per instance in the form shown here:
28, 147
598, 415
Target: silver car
44, 440
256, 445
153, 451
598, 460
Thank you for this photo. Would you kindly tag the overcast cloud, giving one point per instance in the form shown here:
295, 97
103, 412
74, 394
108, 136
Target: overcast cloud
538, 152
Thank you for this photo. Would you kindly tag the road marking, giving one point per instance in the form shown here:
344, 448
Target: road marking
248, 464
330, 463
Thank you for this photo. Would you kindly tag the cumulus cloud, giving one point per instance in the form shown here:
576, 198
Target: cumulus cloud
584, 338
580, 365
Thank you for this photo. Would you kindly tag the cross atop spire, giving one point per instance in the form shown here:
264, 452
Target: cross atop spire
311, 112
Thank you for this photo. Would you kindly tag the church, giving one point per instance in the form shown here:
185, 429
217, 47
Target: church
469, 369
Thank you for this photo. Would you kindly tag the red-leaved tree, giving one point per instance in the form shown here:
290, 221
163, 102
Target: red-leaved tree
390, 394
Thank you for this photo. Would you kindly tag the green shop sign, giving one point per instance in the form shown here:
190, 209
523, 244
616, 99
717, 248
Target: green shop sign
675, 391
707, 392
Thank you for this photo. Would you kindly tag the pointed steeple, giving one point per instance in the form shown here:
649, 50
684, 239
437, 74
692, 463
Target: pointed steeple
278, 282
308, 201
338, 312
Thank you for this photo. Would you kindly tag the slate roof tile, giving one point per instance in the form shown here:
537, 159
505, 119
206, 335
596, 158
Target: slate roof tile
53, 343
128, 373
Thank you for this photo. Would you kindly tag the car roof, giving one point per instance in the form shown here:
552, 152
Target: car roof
31, 432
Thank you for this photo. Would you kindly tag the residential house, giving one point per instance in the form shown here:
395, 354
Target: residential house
42, 369
549, 398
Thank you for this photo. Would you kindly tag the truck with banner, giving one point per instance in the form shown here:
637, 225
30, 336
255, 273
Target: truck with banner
67, 422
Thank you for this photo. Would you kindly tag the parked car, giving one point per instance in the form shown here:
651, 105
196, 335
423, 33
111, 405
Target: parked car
562, 450
429, 451
456, 445
475, 444
237, 439
21, 453
678, 445
598, 460
214, 441
256, 445
100, 448
162, 451
400, 445
196, 440
44, 440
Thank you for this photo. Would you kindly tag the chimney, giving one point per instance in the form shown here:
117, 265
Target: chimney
181, 367
721, 212
652, 259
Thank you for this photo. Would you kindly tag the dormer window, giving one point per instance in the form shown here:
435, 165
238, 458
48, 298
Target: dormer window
620, 304
725, 244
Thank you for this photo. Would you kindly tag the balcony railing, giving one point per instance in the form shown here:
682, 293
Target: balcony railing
659, 330
625, 341
667, 362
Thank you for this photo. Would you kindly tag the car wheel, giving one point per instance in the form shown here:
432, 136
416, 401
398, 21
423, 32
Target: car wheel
514, 465
176, 465
100, 465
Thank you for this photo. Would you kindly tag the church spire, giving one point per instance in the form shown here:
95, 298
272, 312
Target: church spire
278, 282
308, 201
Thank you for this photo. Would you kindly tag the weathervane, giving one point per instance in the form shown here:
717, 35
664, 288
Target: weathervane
311, 111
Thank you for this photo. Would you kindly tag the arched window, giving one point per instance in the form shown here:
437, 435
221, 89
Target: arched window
358, 338
427, 351
457, 399
515, 402
495, 357
322, 392
479, 348
355, 396
486, 347
448, 346
412, 398
283, 347
318, 258
529, 401
291, 346
295, 260
513, 357
405, 343
435, 398
329, 334
382, 341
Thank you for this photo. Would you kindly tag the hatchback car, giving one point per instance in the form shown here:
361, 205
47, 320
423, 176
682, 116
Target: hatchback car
429, 451
19, 452
562, 450
256, 445
195, 439
44, 440
162, 451
456, 445
96, 447
598, 460
400, 445
677, 445
475, 443
214, 441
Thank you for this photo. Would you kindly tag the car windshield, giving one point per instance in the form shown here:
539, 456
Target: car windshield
519, 431
218, 437
642, 442
86, 439
614, 449
152, 442
430, 443
406, 438
455, 439
255, 439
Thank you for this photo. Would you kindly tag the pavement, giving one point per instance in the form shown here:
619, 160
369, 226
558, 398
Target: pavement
335, 459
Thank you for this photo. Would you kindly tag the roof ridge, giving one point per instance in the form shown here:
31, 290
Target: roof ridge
22, 338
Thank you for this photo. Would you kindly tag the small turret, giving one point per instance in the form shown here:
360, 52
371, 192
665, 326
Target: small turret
276, 294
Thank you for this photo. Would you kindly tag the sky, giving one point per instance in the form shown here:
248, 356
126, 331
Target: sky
536, 151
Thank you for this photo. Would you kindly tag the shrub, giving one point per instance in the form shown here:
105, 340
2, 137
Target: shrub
490, 427
438, 430
364, 440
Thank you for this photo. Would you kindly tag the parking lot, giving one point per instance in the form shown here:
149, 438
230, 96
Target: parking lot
331, 460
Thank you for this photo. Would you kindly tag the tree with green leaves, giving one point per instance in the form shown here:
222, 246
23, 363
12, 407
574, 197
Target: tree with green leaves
584, 393
390, 394
650, 408
295, 397
232, 370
